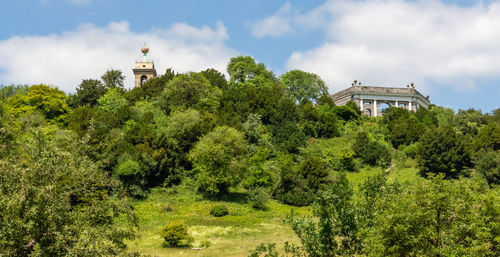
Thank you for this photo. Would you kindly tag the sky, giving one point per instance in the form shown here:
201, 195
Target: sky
449, 49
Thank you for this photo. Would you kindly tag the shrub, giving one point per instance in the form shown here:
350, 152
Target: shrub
176, 234
296, 197
130, 173
411, 150
294, 188
259, 178
258, 198
346, 161
442, 150
370, 151
219, 211
315, 172
489, 165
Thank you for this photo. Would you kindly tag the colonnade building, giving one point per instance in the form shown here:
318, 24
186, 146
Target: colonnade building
370, 99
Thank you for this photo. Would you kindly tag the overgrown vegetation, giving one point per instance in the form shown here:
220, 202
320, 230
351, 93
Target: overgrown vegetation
70, 166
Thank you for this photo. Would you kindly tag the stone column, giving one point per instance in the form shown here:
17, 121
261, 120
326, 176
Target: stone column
361, 105
409, 106
397, 104
374, 108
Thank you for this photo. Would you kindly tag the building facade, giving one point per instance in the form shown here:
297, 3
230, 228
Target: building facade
370, 99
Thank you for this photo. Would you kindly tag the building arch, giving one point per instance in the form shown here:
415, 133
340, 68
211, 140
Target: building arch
383, 106
144, 78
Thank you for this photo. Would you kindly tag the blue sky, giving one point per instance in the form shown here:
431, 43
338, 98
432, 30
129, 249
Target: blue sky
448, 48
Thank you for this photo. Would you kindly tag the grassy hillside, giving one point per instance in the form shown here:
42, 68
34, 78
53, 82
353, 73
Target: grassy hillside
233, 235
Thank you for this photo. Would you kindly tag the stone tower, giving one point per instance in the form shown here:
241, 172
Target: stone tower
145, 69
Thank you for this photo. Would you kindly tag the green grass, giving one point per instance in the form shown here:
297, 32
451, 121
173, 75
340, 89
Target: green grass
236, 234
408, 173
233, 235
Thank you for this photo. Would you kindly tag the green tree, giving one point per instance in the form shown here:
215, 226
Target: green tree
441, 150
488, 137
216, 78
370, 151
54, 202
333, 230
217, 159
346, 113
403, 126
176, 137
436, 217
303, 86
113, 79
152, 88
488, 164
468, 122
112, 102
190, 90
88, 92
243, 69
48, 101
81, 118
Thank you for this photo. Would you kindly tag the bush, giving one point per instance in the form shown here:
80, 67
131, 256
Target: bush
296, 197
370, 151
219, 211
130, 173
176, 234
489, 165
411, 150
346, 161
258, 198
442, 150
294, 188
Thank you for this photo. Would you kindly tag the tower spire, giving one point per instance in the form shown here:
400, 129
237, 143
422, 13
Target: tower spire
144, 51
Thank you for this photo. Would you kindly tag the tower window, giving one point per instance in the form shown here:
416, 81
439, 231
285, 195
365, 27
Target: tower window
143, 79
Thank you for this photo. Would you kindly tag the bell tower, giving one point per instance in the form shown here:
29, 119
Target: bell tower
145, 69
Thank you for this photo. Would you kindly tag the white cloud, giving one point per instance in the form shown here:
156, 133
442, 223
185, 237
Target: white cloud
390, 43
65, 59
275, 25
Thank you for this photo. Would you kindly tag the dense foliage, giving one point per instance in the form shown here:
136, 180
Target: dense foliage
176, 234
69, 163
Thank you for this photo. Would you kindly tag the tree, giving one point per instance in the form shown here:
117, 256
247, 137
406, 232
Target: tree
333, 230
190, 90
216, 78
216, 158
152, 88
55, 202
346, 113
113, 79
370, 151
176, 137
488, 164
436, 217
112, 102
318, 121
48, 101
469, 121
403, 126
441, 150
303, 86
243, 69
88, 92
